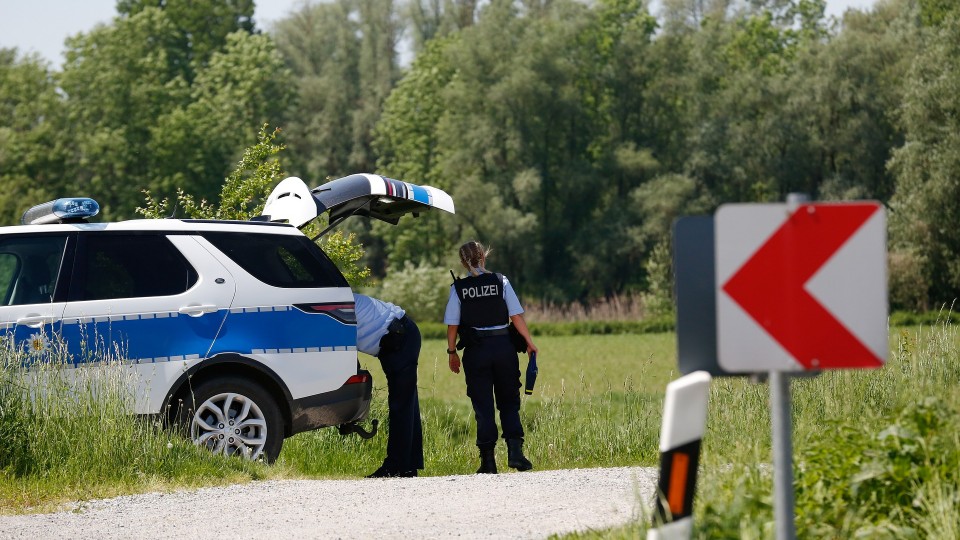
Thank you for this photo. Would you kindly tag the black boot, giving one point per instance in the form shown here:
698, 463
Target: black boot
488, 462
515, 457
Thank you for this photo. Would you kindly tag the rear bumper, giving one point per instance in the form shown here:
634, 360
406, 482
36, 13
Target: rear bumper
349, 403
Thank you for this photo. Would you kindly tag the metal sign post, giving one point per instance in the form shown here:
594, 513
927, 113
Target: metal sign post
782, 455
782, 433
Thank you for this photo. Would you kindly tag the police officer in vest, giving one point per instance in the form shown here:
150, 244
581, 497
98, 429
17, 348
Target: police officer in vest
384, 331
480, 309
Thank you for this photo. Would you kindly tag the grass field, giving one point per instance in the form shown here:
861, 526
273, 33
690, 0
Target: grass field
876, 452
596, 403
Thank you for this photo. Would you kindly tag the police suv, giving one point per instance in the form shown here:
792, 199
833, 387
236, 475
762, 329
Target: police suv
244, 331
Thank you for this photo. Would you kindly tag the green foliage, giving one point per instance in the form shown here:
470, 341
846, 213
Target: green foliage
204, 25
31, 113
79, 439
927, 165
486, 113
405, 138
658, 300
936, 12
759, 43
928, 318
347, 253
241, 87
243, 193
875, 450
878, 476
568, 133
151, 106
243, 196
343, 56
421, 290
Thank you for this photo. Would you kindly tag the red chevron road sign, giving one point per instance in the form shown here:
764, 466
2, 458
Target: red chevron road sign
801, 288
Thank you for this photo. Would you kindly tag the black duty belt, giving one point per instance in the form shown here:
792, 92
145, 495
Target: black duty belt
494, 332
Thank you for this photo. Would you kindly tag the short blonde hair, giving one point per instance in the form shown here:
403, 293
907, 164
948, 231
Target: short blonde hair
472, 255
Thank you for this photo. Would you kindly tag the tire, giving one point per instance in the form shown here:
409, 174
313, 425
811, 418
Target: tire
234, 416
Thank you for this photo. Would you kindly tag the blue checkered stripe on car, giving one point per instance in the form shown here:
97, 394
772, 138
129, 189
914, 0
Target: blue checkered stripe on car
172, 336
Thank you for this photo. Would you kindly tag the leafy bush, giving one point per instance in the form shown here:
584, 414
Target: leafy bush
878, 476
421, 290
909, 318
244, 195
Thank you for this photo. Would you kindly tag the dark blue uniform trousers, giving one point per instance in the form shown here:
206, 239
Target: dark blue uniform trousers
405, 438
492, 370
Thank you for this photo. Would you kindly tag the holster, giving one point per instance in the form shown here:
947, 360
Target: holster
519, 342
468, 337
393, 339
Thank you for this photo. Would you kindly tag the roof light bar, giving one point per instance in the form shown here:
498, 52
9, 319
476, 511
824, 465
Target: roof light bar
65, 210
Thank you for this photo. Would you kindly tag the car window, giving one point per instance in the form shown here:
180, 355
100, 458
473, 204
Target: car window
279, 260
130, 266
29, 266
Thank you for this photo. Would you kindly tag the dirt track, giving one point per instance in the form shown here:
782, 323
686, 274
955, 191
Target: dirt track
516, 505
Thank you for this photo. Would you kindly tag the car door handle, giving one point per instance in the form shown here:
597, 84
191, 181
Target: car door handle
197, 311
36, 321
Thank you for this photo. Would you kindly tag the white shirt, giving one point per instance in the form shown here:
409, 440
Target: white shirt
373, 319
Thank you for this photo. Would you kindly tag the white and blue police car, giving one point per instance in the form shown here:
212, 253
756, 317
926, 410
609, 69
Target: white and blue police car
244, 332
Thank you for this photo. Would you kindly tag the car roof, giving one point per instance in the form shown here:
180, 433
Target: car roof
160, 225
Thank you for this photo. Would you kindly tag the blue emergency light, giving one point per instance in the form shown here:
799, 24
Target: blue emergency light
72, 209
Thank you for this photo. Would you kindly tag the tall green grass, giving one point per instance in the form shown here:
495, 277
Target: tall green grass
597, 403
876, 452
69, 433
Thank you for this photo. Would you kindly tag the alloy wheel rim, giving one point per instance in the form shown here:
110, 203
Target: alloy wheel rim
230, 424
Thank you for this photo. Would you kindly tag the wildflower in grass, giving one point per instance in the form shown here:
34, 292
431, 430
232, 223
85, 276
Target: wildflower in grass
38, 344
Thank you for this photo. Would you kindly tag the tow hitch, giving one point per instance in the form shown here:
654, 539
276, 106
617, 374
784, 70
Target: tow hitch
353, 427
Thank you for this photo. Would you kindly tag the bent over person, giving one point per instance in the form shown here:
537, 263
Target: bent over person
480, 310
384, 331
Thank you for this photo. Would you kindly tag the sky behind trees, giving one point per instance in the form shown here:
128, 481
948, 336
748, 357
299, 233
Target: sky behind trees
42, 25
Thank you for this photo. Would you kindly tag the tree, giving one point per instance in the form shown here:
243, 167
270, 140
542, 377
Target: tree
119, 79
320, 47
134, 111
926, 206
242, 86
936, 12
343, 55
530, 118
433, 19
202, 26
681, 16
405, 140
243, 195
378, 74
31, 147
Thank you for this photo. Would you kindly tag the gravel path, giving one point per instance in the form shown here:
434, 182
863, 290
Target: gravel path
517, 505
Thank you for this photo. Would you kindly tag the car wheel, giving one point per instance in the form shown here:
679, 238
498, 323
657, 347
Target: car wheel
236, 417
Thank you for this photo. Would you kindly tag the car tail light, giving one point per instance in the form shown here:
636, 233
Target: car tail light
341, 311
358, 378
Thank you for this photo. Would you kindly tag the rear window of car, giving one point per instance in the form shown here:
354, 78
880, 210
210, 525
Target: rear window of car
130, 266
279, 260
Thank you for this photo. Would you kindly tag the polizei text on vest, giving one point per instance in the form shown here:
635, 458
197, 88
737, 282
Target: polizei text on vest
483, 290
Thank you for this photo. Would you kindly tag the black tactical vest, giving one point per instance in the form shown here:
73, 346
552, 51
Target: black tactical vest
481, 301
